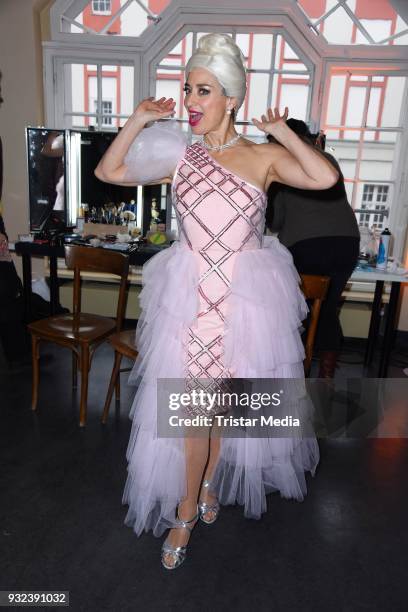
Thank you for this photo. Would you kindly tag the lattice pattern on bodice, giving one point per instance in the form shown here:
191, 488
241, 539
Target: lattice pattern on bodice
219, 214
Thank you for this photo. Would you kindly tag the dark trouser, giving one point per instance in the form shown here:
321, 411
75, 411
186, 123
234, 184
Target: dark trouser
13, 335
334, 256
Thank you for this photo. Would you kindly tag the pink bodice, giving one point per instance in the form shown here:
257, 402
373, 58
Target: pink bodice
216, 209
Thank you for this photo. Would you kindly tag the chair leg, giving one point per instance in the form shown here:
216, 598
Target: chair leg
84, 385
112, 386
74, 370
35, 342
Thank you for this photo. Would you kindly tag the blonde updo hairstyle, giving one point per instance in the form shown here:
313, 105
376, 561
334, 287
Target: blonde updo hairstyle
224, 59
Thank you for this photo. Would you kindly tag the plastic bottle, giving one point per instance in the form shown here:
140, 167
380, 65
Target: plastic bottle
383, 249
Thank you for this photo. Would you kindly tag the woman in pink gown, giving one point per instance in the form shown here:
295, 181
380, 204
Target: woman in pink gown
223, 302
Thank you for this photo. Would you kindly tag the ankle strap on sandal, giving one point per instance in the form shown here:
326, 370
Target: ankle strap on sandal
184, 524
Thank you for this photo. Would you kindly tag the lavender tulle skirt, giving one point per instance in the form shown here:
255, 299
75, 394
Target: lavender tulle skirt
262, 340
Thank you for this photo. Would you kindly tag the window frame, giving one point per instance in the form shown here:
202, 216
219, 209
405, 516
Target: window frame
398, 216
181, 16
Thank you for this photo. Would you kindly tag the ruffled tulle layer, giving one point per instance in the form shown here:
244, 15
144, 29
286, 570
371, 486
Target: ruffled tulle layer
251, 468
265, 310
265, 313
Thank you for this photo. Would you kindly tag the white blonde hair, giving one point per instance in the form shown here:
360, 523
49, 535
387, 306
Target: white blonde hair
224, 59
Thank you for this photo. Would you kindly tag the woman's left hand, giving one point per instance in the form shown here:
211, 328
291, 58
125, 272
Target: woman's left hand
272, 121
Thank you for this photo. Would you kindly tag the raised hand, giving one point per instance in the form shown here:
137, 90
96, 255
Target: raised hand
153, 110
272, 121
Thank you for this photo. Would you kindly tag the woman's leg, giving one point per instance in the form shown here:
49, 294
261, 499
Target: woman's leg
201, 459
197, 452
205, 492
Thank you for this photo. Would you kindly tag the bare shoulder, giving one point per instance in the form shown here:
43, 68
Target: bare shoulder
263, 152
270, 153
253, 149
254, 161
268, 150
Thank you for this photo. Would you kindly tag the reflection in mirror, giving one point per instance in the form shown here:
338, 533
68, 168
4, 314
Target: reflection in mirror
63, 186
100, 202
46, 178
156, 208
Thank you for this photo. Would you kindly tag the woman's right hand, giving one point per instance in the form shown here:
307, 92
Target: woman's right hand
112, 167
153, 110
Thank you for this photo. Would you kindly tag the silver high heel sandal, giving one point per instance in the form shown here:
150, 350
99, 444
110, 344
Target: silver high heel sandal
205, 507
178, 553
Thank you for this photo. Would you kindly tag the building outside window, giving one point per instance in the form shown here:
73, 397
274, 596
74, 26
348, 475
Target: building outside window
374, 209
101, 7
106, 110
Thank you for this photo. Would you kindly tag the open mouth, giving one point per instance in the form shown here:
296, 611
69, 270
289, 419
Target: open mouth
194, 117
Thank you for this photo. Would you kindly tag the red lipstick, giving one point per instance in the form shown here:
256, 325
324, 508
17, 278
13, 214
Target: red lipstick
194, 118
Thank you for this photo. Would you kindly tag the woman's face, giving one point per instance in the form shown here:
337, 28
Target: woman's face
205, 102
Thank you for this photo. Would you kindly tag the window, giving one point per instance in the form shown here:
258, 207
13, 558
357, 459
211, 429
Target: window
101, 7
356, 22
106, 111
126, 17
364, 128
374, 209
277, 75
341, 65
86, 84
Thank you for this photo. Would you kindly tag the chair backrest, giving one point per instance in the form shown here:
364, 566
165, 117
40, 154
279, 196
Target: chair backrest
90, 259
314, 288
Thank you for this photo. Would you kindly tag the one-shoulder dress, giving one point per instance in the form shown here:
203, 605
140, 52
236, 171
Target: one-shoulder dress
222, 302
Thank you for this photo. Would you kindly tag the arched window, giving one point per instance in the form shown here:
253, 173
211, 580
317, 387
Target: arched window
341, 65
278, 75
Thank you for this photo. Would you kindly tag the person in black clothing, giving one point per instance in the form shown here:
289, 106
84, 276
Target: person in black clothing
13, 336
320, 230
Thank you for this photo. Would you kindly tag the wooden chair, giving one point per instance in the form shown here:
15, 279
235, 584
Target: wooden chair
81, 332
124, 345
314, 288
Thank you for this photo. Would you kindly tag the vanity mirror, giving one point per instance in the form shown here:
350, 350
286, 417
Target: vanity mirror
46, 157
63, 186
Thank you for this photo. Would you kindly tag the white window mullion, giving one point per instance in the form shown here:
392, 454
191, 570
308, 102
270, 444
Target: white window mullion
99, 96
356, 22
79, 25
361, 143
272, 72
393, 37
145, 7
325, 15
115, 17
62, 91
